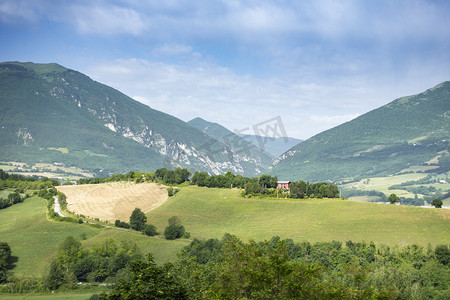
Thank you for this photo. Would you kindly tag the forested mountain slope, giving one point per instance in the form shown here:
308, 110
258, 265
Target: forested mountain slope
409, 131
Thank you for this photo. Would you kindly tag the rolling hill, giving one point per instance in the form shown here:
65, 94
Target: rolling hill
51, 114
410, 134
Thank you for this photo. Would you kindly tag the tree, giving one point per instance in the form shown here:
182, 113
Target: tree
149, 281
437, 203
174, 230
5, 256
138, 219
55, 276
393, 198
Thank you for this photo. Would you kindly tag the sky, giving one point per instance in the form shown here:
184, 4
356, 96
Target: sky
315, 64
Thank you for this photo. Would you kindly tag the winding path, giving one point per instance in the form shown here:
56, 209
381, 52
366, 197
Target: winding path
58, 207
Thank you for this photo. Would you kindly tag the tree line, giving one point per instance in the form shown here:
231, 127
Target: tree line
230, 268
138, 222
282, 269
21, 182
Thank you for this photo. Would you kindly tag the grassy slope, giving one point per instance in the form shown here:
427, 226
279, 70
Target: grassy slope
35, 240
210, 213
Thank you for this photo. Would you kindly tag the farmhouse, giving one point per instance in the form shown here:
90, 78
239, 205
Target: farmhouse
283, 185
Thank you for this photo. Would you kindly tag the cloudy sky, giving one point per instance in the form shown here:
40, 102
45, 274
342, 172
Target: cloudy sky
315, 63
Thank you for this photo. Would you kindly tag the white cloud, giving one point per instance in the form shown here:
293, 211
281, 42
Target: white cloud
12, 12
108, 20
218, 94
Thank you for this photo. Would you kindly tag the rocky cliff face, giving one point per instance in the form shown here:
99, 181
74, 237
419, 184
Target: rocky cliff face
77, 97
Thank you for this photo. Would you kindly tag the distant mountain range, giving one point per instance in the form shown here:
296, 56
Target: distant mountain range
52, 114
247, 151
409, 132
276, 146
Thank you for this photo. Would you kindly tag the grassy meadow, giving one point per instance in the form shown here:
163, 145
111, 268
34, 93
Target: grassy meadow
34, 239
208, 213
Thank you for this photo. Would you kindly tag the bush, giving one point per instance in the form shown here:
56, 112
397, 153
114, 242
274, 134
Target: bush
121, 224
150, 230
172, 191
437, 203
174, 230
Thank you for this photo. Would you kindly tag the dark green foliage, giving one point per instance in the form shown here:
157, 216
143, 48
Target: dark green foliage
121, 224
138, 219
437, 203
148, 281
203, 251
176, 176
5, 256
150, 230
73, 263
302, 189
172, 191
175, 229
393, 198
55, 277
442, 253
282, 269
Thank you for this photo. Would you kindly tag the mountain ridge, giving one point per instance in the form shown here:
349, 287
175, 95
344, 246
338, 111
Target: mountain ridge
407, 131
97, 119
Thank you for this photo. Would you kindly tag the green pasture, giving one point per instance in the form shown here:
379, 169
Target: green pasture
33, 238
210, 213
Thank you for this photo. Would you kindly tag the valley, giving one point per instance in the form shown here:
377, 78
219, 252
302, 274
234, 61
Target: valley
212, 212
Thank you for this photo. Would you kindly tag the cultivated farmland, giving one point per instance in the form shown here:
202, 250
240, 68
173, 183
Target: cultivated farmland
113, 201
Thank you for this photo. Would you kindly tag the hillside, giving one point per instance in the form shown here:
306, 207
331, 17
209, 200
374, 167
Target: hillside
273, 145
410, 134
211, 212
40, 238
247, 152
50, 114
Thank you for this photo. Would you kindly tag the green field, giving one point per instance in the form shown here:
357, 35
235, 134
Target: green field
35, 240
208, 213
382, 184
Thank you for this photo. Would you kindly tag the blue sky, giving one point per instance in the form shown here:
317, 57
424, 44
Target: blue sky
316, 64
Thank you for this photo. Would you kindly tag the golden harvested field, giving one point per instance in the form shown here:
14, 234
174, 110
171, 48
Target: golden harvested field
113, 201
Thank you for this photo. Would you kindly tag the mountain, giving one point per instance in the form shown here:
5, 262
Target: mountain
52, 114
248, 153
273, 145
410, 131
